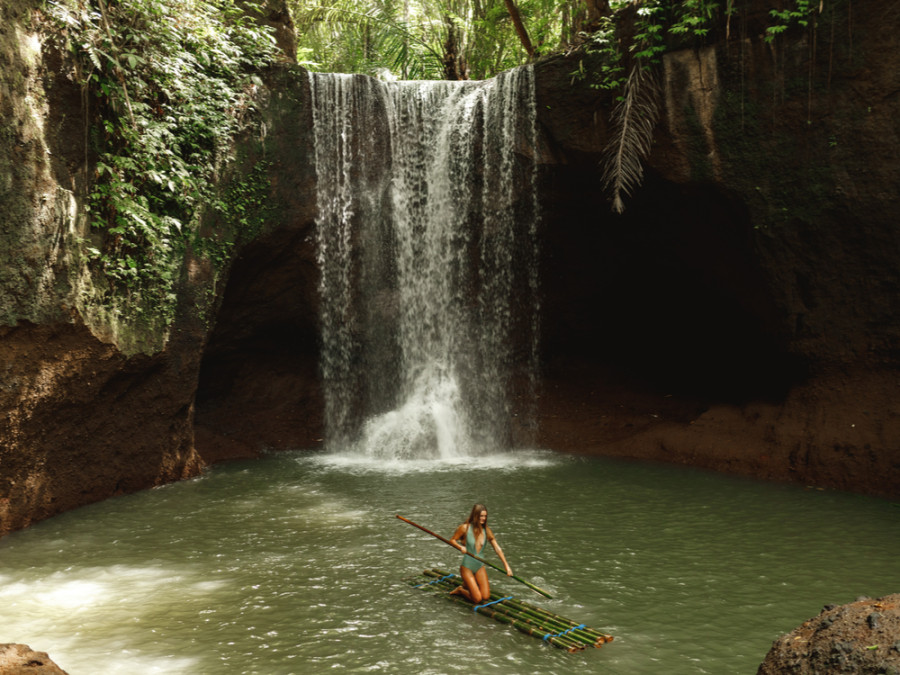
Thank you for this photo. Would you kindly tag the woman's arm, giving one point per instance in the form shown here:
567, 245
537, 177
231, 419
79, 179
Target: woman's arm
490, 536
458, 536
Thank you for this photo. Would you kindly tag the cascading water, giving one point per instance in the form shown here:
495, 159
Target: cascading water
427, 247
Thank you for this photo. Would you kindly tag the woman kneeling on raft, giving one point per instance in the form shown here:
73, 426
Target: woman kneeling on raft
475, 532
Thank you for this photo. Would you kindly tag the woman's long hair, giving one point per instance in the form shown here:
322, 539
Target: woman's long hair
475, 516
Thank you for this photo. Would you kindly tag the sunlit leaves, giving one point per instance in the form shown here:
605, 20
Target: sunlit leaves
186, 68
784, 17
417, 39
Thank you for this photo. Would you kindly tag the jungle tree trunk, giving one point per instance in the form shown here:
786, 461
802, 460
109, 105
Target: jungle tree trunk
520, 27
455, 67
596, 10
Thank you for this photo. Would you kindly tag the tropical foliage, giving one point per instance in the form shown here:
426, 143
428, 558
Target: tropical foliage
479, 38
172, 82
453, 39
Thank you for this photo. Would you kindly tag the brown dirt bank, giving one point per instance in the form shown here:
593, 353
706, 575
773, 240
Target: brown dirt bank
837, 431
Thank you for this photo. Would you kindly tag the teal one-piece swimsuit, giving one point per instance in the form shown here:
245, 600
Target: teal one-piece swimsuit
468, 561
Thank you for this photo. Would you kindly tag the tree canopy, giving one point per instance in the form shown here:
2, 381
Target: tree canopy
476, 39
437, 39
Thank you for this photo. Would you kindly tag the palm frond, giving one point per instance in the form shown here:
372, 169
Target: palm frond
634, 119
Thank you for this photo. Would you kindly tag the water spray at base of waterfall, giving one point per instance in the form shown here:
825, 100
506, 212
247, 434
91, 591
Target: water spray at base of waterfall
426, 243
355, 462
426, 426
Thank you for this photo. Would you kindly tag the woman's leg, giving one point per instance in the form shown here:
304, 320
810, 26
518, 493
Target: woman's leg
471, 588
481, 577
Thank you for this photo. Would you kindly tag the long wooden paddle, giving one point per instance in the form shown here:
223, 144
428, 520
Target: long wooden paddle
481, 560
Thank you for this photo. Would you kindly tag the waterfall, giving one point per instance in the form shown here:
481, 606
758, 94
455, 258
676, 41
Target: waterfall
427, 248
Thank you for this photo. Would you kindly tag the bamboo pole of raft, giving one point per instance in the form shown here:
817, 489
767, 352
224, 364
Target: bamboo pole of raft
563, 642
539, 628
569, 630
557, 641
481, 560
563, 621
500, 613
537, 616
541, 613
542, 624
568, 636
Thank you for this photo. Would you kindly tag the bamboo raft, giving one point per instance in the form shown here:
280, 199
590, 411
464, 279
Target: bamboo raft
527, 618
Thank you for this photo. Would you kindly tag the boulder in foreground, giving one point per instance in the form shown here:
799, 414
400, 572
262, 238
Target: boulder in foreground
860, 637
23, 660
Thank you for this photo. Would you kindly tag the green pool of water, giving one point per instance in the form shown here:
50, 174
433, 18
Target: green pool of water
293, 564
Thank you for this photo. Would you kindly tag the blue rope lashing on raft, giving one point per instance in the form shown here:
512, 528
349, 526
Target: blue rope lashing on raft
436, 581
492, 602
568, 630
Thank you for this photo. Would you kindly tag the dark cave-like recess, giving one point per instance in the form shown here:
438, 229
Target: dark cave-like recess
258, 384
666, 296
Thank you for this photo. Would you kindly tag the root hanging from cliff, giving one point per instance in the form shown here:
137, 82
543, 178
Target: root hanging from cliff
634, 119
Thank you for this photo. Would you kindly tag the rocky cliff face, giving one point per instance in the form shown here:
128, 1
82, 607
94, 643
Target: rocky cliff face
84, 417
91, 407
259, 384
740, 315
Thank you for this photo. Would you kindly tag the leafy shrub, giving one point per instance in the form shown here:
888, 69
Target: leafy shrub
174, 82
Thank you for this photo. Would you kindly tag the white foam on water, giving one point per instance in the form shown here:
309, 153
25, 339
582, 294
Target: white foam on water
354, 462
56, 612
425, 426
73, 595
122, 661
